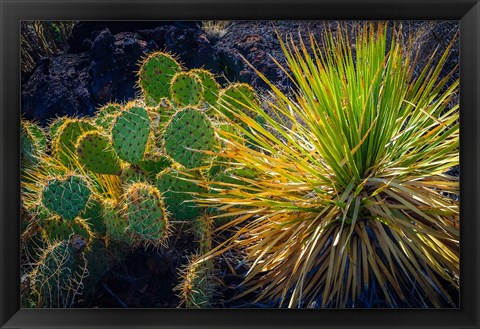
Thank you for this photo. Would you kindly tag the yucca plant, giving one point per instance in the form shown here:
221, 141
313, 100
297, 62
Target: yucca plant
351, 205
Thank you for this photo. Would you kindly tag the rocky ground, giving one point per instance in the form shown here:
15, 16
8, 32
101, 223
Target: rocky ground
102, 58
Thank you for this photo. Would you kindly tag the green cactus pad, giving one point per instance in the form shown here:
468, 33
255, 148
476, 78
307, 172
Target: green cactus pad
235, 99
57, 277
210, 86
186, 89
177, 193
66, 138
66, 196
132, 173
188, 133
197, 288
33, 141
97, 154
108, 109
93, 215
146, 216
56, 228
54, 126
153, 163
156, 74
130, 133
160, 113
115, 223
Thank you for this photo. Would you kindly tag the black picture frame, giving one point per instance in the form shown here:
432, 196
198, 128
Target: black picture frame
13, 11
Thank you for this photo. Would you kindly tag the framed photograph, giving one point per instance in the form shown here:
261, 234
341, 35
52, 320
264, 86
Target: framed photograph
239, 164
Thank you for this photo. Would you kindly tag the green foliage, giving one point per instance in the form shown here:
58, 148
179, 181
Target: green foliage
197, 288
209, 85
146, 216
56, 280
350, 194
156, 74
130, 133
188, 133
236, 99
177, 191
96, 153
186, 89
65, 140
116, 224
66, 196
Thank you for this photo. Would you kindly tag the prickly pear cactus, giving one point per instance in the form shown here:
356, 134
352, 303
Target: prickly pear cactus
186, 89
156, 74
130, 133
187, 135
132, 173
115, 223
177, 192
54, 126
105, 115
96, 153
56, 280
235, 99
65, 140
56, 228
210, 87
146, 216
153, 163
32, 141
197, 289
93, 215
66, 196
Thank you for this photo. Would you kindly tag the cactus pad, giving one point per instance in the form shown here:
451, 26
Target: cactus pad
155, 75
96, 153
56, 228
177, 194
153, 163
115, 223
66, 196
188, 133
186, 89
235, 99
146, 216
132, 173
93, 215
67, 136
57, 277
210, 86
197, 288
130, 133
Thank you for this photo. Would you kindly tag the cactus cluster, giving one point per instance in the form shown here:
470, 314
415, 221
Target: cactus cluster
120, 179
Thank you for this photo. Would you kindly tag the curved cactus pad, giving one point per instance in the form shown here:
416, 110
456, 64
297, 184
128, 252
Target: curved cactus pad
156, 74
66, 138
56, 228
130, 134
210, 86
66, 196
132, 173
236, 98
146, 217
96, 154
186, 89
188, 133
177, 194
154, 163
115, 224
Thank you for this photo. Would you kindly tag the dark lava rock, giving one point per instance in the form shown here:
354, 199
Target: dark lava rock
58, 86
114, 65
103, 58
